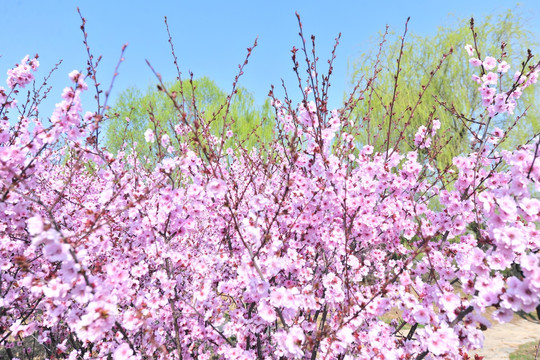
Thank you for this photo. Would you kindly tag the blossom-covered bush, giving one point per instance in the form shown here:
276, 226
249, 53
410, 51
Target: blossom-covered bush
312, 247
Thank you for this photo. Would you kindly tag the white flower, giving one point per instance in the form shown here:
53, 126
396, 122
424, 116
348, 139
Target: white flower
217, 188
35, 225
149, 136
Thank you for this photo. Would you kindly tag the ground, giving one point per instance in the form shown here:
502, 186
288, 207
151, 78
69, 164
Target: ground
503, 339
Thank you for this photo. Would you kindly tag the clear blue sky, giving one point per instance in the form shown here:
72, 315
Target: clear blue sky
211, 37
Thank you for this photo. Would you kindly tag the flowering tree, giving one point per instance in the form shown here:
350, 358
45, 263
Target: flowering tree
310, 247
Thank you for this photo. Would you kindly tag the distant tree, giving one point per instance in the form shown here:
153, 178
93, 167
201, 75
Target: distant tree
135, 112
437, 67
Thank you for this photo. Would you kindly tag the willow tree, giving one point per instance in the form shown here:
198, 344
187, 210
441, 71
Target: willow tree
428, 77
135, 111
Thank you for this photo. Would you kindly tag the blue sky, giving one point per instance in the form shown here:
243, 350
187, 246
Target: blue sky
211, 37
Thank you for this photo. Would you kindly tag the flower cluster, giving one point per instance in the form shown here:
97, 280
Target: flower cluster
421, 140
499, 102
22, 74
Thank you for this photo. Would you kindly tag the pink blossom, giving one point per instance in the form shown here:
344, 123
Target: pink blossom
490, 78
367, 150
149, 136
69, 271
266, 312
498, 132
217, 188
282, 297
35, 225
469, 49
420, 135
507, 205
529, 262
165, 140
441, 341
519, 78
106, 196
55, 251
475, 62
487, 92
75, 75
435, 125
345, 335
122, 352
21, 74
294, 340
498, 261
450, 302
490, 63
421, 315
503, 315
503, 67
530, 206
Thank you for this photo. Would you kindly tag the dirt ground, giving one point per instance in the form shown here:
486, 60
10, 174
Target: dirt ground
503, 339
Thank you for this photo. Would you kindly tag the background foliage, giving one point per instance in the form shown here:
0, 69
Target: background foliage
450, 85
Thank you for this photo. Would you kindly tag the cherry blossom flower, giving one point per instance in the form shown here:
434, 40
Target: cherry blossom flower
217, 188
503, 67
475, 62
489, 63
469, 49
149, 136
122, 352
35, 225
421, 315
266, 312
21, 74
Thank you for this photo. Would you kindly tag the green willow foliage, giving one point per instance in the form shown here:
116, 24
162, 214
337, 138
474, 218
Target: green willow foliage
451, 90
154, 110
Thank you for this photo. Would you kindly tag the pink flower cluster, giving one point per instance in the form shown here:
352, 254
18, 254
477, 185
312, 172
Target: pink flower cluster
308, 252
21, 74
421, 140
502, 102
